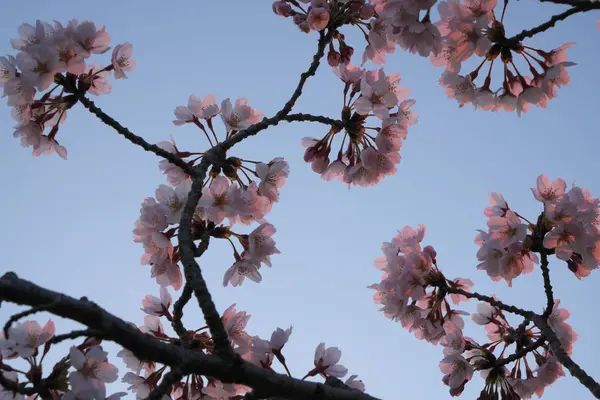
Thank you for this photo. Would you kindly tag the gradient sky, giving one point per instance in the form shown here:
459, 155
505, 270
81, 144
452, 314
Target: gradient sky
67, 224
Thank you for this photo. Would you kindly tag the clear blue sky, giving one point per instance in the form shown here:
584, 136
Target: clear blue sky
67, 224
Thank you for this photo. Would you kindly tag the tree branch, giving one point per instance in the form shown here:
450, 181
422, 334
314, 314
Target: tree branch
314, 118
547, 285
520, 353
192, 271
146, 347
172, 158
562, 356
496, 303
527, 33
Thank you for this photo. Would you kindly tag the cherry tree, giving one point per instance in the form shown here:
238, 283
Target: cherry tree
213, 193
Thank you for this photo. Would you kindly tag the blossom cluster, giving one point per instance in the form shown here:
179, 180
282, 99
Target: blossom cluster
464, 29
46, 52
568, 227
412, 292
229, 193
367, 158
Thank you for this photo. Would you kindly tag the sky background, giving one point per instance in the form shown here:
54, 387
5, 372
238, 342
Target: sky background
67, 224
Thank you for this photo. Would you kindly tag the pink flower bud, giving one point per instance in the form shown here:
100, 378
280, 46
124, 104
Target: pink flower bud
367, 11
282, 8
333, 58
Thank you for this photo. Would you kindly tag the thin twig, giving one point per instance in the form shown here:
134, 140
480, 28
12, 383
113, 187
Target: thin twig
527, 33
488, 299
314, 118
74, 335
24, 314
523, 351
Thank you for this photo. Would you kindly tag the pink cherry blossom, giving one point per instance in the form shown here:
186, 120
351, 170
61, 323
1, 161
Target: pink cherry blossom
547, 192
157, 306
498, 207
326, 361
38, 66
239, 117
24, 339
379, 93
205, 108
217, 200
249, 205
137, 384
167, 273
261, 246
92, 372
318, 18
235, 325
7, 69
99, 83
89, 39
173, 199
355, 383
241, 269
272, 177
457, 371
121, 60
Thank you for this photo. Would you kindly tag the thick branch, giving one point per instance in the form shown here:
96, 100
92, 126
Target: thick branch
527, 33
547, 285
560, 354
172, 158
146, 347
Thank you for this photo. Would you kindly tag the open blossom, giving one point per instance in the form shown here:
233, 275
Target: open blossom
565, 333
38, 66
155, 306
175, 175
457, 372
89, 39
249, 204
235, 325
205, 108
379, 93
506, 230
272, 177
498, 207
121, 59
355, 383
24, 339
240, 116
167, 273
547, 192
217, 200
92, 372
261, 246
173, 199
137, 384
241, 269
279, 338
326, 361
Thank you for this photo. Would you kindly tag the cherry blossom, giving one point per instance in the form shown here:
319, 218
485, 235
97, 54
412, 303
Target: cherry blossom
217, 200
121, 59
240, 116
235, 325
326, 362
6, 394
155, 306
93, 371
241, 269
24, 339
272, 177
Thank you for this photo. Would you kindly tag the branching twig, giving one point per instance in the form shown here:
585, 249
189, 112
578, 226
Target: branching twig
562, 356
523, 351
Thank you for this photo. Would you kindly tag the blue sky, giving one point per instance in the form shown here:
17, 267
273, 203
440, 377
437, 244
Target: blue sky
67, 224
